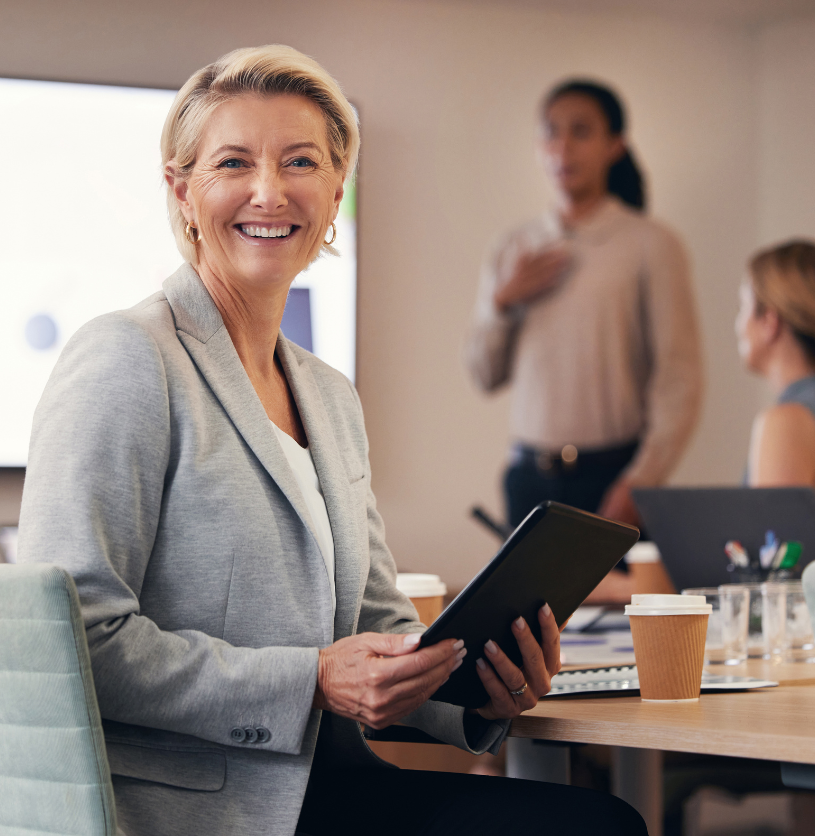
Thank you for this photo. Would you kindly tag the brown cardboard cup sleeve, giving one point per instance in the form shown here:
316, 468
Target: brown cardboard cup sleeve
669, 644
425, 591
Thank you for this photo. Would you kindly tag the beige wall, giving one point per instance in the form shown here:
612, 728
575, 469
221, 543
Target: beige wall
787, 91
446, 94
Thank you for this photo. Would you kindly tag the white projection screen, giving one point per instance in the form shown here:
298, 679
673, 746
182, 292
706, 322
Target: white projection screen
84, 231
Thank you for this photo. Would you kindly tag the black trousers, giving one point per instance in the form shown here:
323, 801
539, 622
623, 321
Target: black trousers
527, 483
401, 802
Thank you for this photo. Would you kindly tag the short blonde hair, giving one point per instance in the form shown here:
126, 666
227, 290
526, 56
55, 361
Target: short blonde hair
783, 280
272, 69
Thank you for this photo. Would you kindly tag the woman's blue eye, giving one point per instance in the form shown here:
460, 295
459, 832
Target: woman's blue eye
302, 162
231, 163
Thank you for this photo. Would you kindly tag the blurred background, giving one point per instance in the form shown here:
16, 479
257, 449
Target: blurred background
721, 96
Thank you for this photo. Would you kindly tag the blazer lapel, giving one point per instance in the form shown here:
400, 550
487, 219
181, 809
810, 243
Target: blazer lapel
334, 483
203, 333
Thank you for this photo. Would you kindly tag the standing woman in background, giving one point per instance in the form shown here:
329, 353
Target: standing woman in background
776, 333
589, 311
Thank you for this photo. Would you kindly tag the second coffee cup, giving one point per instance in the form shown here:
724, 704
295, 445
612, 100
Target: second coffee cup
669, 644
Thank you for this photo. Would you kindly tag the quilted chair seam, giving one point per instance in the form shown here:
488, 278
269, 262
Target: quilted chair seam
91, 706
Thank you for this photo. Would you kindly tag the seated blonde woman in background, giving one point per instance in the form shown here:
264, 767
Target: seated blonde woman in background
776, 333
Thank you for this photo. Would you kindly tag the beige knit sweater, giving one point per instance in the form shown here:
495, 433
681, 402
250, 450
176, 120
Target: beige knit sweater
611, 354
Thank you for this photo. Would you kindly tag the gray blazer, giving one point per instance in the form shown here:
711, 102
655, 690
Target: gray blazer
156, 480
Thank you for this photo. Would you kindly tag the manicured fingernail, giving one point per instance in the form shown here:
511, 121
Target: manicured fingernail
481, 664
491, 647
520, 623
457, 665
459, 644
546, 610
413, 639
462, 653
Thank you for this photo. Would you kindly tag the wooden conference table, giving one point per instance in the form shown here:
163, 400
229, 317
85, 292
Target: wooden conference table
776, 724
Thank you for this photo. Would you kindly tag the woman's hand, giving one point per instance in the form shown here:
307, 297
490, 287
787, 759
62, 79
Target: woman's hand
540, 663
379, 678
534, 274
618, 504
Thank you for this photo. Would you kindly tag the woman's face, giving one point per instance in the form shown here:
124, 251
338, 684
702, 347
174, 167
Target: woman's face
263, 190
578, 147
755, 332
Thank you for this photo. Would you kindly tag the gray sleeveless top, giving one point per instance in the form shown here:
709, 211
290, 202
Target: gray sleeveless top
801, 391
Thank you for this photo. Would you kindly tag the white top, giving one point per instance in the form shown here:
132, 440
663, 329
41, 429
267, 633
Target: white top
611, 354
416, 585
646, 552
305, 473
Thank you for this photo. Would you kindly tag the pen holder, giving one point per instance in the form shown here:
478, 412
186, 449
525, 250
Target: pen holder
749, 574
753, 574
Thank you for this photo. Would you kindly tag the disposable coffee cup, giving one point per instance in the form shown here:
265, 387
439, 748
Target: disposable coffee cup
425, 591
669, 645
646, 570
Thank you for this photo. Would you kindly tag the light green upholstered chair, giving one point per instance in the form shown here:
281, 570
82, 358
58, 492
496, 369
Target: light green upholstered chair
54, 775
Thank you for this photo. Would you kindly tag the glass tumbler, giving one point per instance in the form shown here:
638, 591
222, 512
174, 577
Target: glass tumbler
774, 619
755, 632
726, 642
799, 641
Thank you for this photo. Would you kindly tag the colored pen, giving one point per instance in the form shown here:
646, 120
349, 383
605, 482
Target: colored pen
792, 556
767, 552
737, 553
779, 556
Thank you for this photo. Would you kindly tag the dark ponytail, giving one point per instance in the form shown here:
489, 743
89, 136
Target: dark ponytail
624, 178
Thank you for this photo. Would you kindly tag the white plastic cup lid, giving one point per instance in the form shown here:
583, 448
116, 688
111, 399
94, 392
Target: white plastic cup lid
668, 605
646, 552
416, 585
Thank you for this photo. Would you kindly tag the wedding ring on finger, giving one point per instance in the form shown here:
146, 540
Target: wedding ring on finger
521, 691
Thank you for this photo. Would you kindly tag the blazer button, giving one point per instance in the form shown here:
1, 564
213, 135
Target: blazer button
251, 734
264, 735
238, 734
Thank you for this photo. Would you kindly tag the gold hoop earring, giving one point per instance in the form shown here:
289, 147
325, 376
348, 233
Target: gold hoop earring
333, 236
192, 234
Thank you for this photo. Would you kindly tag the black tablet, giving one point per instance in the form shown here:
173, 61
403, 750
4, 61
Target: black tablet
557, 555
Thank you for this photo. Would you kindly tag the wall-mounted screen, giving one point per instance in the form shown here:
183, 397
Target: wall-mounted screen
84, 231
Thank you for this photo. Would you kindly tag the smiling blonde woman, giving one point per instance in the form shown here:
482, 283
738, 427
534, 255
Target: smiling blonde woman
206, 482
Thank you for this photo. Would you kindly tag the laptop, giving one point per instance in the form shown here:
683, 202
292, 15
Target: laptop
691, 526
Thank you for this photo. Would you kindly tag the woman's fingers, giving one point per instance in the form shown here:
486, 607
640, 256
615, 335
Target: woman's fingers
534, 664
550, 640
501, 704
513, 677
407, 696
533, 274
388, 700
358, 678
443, 655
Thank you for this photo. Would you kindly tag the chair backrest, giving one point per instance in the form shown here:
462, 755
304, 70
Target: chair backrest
54, 775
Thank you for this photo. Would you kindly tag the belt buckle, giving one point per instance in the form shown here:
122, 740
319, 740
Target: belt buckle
569, 457
544, 460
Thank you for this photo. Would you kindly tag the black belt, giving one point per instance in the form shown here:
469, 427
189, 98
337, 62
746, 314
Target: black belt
570, 459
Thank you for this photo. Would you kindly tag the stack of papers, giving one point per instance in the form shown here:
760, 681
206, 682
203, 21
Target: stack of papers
594, 649
624, 678
597, 636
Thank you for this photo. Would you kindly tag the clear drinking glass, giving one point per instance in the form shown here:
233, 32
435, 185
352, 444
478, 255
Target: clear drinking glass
755, 632
774, 619
799, 641
726, 641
